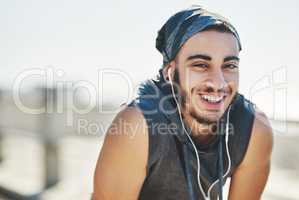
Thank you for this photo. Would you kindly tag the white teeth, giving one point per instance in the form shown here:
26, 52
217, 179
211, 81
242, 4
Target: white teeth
213, 99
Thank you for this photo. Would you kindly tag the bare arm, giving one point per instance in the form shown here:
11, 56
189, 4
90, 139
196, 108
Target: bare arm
121, 166
250, 178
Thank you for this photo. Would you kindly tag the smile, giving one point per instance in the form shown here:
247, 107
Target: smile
212, 101
212, 98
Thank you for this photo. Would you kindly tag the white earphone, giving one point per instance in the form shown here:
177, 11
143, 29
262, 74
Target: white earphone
194, 147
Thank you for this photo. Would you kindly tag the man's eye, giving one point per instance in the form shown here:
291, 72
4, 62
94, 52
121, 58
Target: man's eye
200, 65
230, 66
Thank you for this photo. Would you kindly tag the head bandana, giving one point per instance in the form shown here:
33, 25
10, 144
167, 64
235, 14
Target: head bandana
183, 25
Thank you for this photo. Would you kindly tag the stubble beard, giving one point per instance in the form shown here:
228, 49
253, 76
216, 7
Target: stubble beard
188, 108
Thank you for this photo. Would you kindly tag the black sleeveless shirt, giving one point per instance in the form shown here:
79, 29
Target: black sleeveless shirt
166, 173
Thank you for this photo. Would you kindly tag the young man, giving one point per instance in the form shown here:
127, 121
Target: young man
189, 129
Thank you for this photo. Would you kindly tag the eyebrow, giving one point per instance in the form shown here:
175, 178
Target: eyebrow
200, 56
209, 58
229, 58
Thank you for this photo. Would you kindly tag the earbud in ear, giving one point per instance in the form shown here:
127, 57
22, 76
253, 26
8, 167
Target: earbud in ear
169, 74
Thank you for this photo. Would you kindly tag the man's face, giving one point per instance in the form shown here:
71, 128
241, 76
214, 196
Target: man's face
207, 67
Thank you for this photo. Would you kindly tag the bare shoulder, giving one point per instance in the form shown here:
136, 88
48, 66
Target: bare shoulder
129, 122
121, 166
128, 131
261, 141
250, 178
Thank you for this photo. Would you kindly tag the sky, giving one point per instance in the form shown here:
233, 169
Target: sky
79, 39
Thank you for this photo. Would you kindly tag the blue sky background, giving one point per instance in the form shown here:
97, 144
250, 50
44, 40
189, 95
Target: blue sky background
81, 37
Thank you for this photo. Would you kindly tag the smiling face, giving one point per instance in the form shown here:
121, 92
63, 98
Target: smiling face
207, 66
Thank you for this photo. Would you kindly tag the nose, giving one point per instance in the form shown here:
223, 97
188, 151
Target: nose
216, 82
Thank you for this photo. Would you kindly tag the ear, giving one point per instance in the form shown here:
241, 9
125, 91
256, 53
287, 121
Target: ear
168, 71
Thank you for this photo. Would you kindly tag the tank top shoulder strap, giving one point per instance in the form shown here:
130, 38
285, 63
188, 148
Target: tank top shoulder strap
242, 118
147, 101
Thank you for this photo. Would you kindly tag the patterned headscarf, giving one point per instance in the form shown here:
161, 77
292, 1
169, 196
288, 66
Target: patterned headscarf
183, 25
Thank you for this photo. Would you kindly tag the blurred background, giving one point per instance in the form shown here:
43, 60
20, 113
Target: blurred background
67, 66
